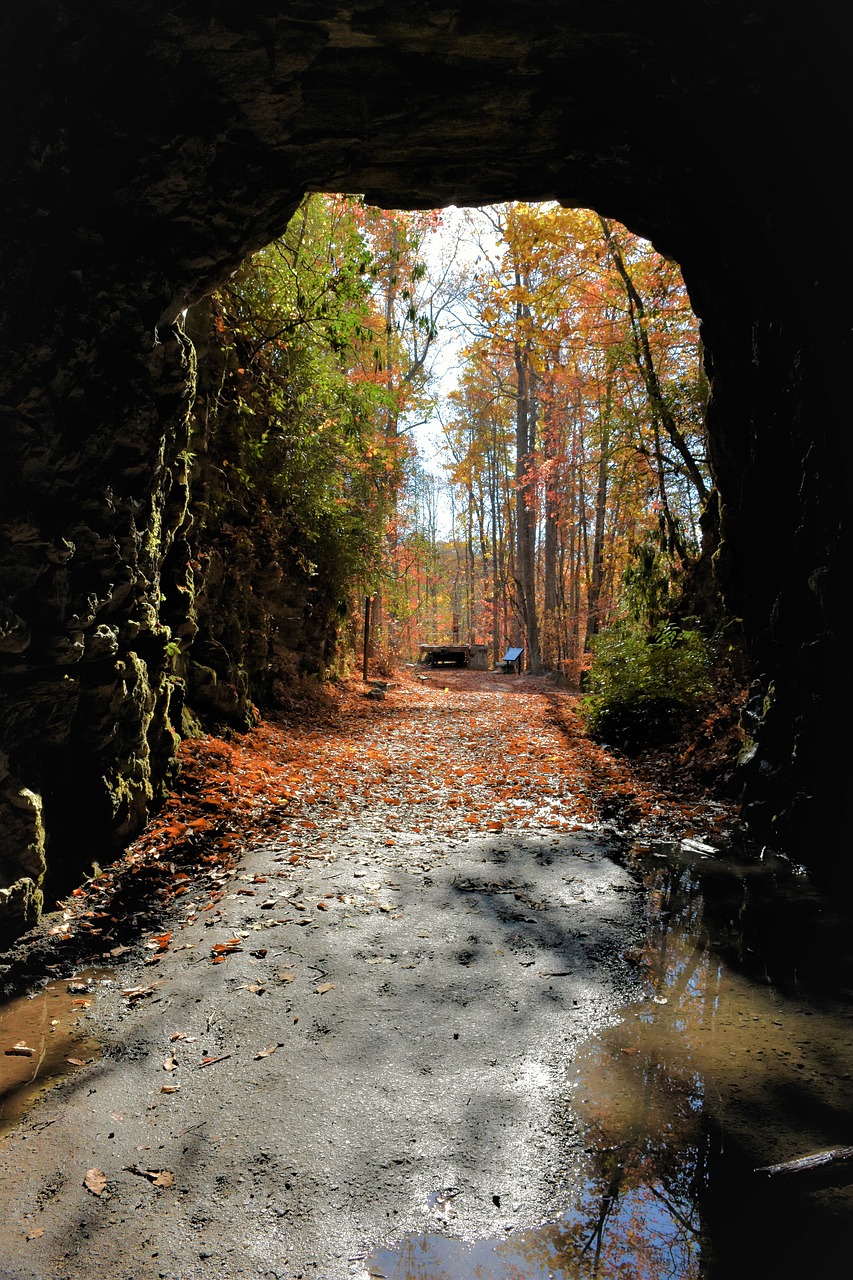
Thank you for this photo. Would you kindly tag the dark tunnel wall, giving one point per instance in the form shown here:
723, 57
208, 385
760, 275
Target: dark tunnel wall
148, 147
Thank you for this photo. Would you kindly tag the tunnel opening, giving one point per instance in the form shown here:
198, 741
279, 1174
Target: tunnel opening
687, 128
473, 419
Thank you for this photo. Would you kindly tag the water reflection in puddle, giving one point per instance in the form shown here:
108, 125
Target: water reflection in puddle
41, 1041
742, 1057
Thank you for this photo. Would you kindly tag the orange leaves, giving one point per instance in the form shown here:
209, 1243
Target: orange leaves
501, 763
222, 949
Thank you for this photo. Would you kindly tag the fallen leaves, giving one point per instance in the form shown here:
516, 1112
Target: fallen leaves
265, 1053
20, 1050
95, 1181
132, 994
157, 1177
324, 987
222, 949
159, 941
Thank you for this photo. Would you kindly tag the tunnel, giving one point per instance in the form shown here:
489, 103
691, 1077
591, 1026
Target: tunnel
150, 147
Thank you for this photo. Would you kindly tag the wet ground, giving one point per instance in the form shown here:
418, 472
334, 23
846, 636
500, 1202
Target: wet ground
446, 1026
741, 1059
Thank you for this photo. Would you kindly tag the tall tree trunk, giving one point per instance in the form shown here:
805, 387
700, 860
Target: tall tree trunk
550, 639
494, 507
647, 370
525, 515
596, 576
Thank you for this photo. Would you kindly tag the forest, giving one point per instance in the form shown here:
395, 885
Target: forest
488, 426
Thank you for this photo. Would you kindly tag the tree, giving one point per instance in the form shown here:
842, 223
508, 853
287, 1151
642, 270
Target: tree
588, 335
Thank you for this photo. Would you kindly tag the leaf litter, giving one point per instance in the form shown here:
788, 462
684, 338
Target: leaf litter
332, 750
297, 779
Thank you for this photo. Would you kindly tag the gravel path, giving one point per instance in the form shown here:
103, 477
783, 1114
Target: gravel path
367, 1029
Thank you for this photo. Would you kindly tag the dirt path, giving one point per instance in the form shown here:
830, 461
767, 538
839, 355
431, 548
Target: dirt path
371, 946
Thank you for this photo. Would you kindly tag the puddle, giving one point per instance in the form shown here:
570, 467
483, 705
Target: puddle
46, 1042
742, 1057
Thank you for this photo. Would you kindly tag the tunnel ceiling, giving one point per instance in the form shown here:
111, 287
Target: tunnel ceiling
148, 147
182, 133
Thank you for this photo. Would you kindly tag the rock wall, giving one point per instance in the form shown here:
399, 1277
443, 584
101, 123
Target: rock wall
258, 619
149, 146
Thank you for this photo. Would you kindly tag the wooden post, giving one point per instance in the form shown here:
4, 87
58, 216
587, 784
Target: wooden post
367, 600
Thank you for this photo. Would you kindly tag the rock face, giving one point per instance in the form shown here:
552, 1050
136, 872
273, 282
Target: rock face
149, 146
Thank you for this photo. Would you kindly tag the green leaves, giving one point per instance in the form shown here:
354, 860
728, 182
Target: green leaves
300, 334
641, 682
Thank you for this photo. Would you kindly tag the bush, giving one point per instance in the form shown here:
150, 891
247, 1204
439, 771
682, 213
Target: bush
641, 686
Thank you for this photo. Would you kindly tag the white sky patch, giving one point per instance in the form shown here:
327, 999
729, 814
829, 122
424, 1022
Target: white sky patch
455, 239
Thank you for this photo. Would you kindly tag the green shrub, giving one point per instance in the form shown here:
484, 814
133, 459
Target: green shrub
641, 686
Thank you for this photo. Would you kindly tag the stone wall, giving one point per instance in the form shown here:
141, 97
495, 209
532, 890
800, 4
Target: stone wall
258, 618
149, 146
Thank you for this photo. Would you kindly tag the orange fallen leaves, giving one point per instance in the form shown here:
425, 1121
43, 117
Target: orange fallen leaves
222, 949
511, 757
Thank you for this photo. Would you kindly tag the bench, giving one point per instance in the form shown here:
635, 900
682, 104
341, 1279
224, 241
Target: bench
511, 661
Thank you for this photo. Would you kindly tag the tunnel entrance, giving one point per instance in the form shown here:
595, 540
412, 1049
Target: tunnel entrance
488, 425
705, 133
